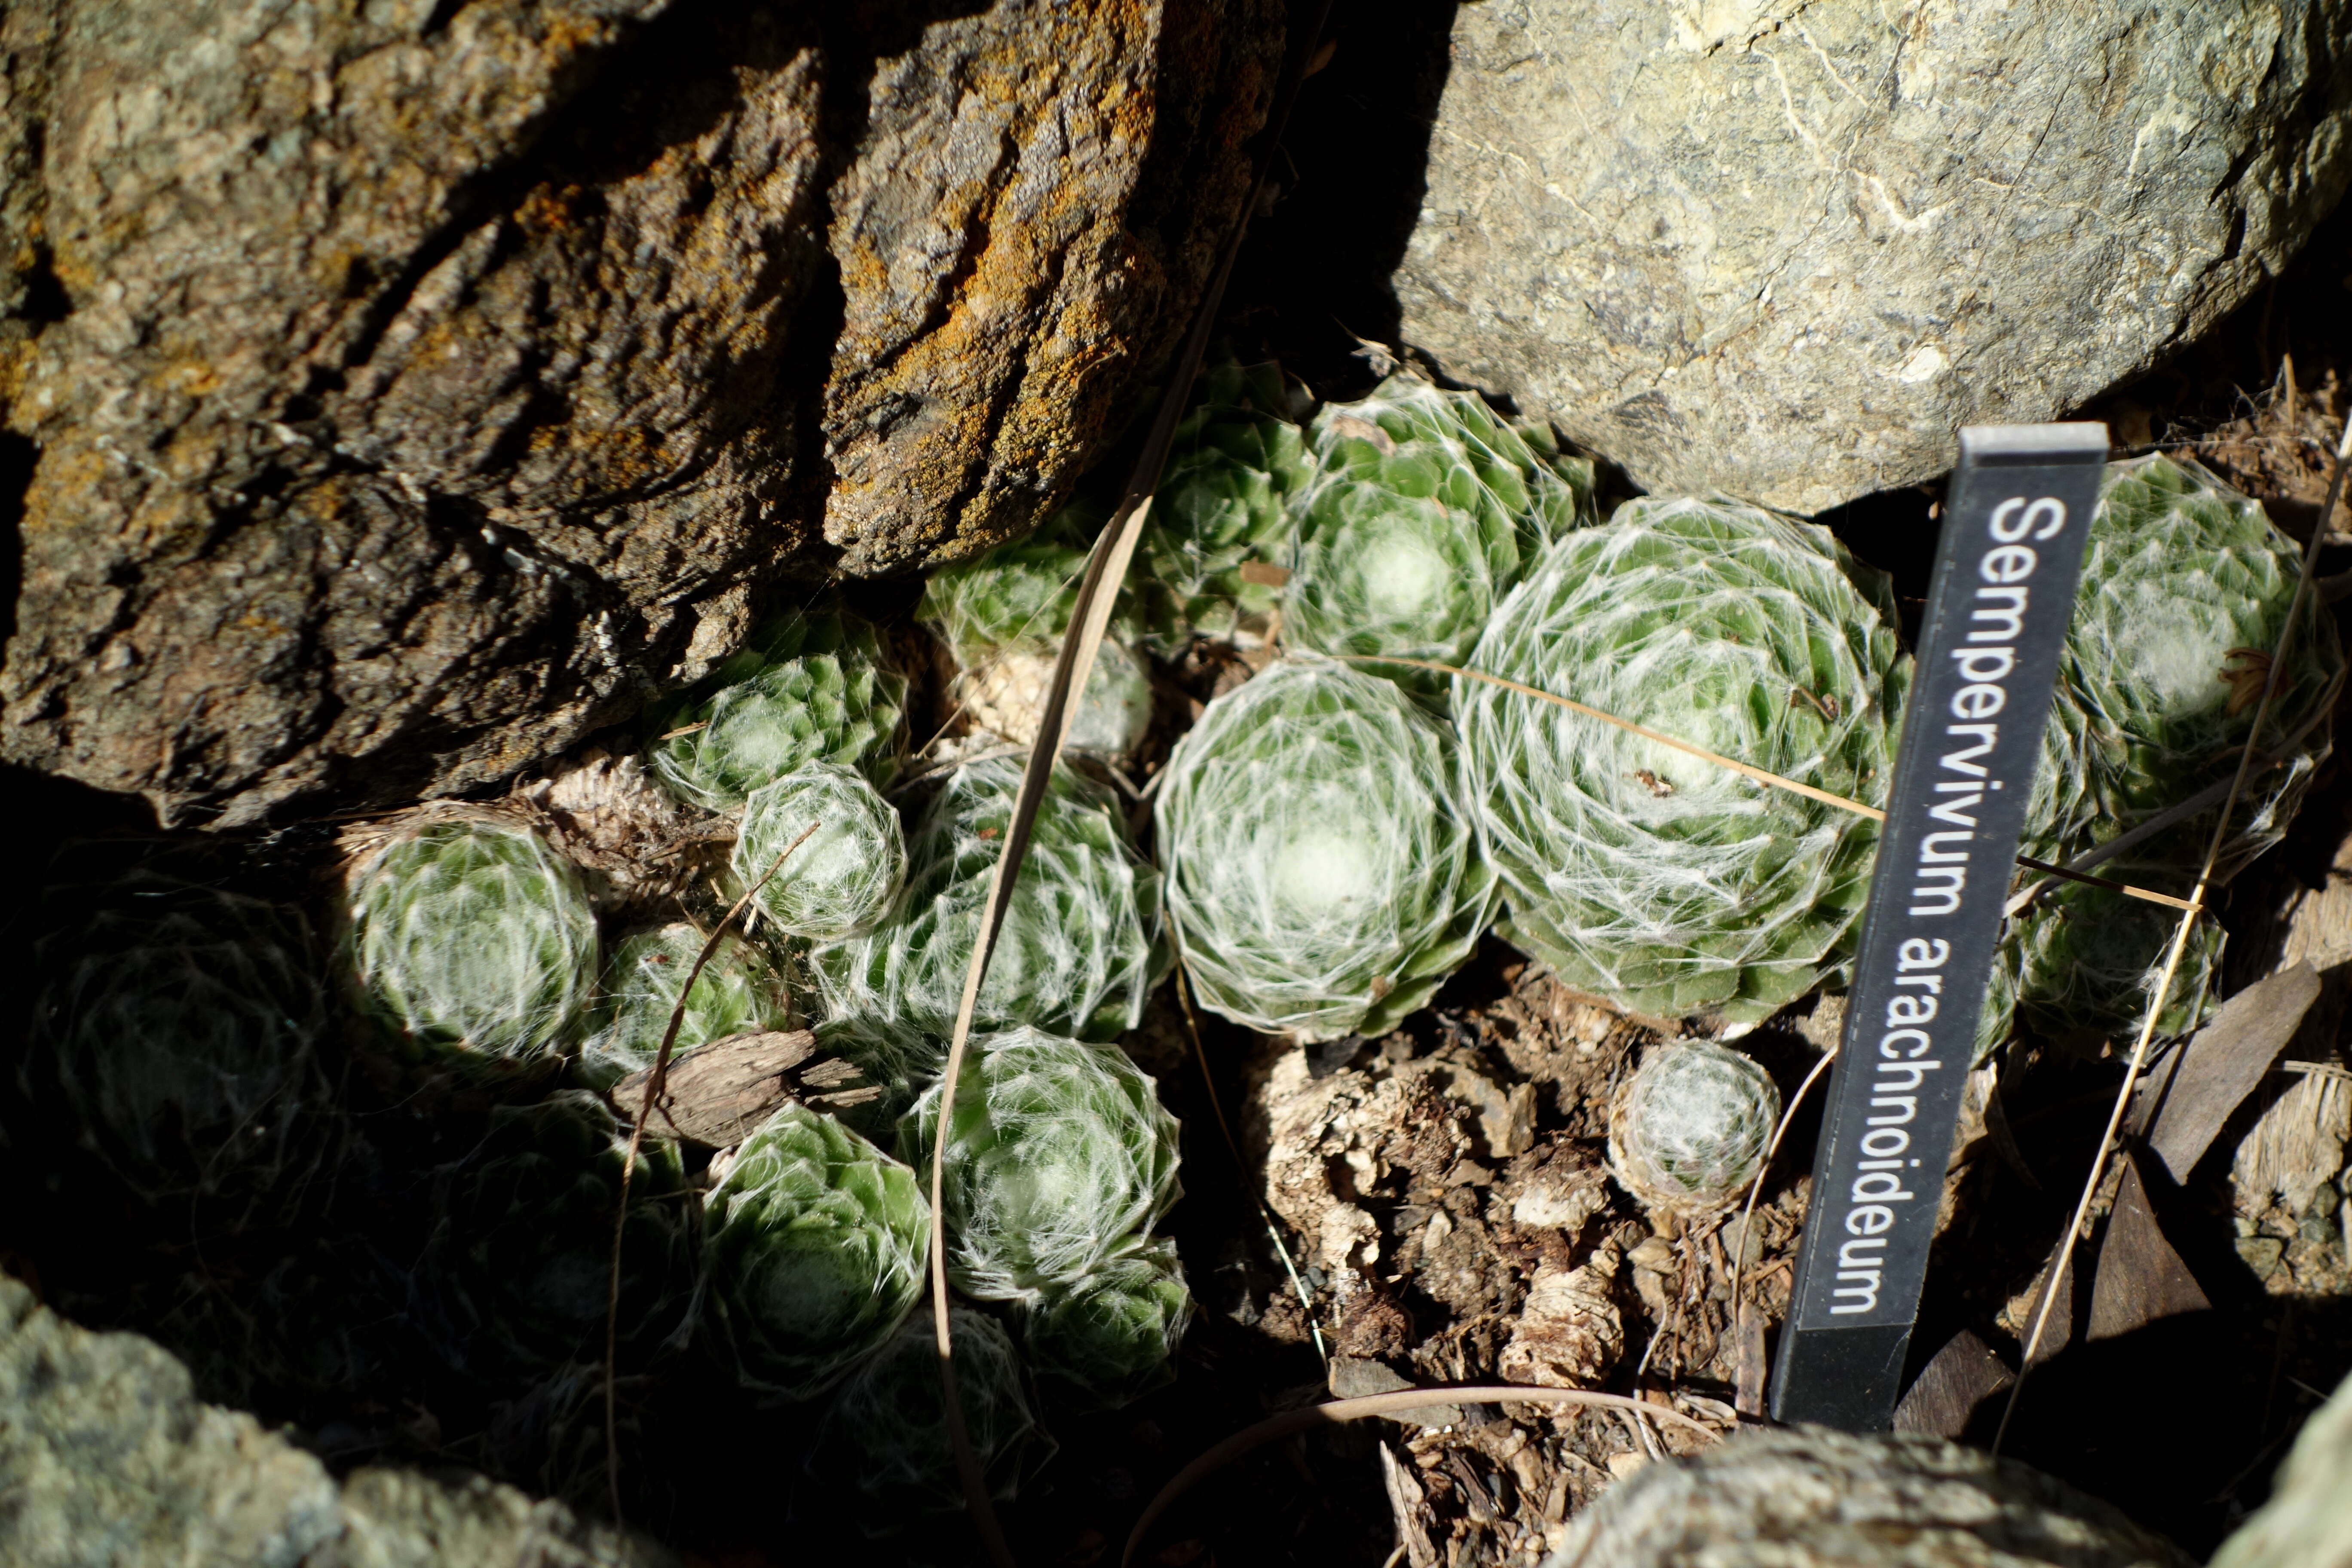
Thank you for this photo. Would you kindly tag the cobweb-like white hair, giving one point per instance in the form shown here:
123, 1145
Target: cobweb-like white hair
1059, 1157
1688, 1129
737, 991
817, 1245
844, 877
1661, 882
473, 939
1081, 946
1323, 872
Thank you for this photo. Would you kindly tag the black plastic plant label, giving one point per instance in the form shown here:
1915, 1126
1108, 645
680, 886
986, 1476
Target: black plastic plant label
2017, 521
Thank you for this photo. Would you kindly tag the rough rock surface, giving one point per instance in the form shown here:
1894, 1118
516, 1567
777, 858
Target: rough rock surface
1810, 1498
107, 1456
398, 390
1784, 248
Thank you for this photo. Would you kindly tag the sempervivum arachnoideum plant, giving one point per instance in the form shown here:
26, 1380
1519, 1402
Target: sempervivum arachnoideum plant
520, 1259
1659, 881
173, 1035
1425, 509
738, 990
2185, 590
1111, 1336
1059, 1155
1689, 1131
469, 941
1003, 615
885, 1434
2088, 958
846, 872
1323, 870
817, 1244
1215, 548
1081, 946
812, 685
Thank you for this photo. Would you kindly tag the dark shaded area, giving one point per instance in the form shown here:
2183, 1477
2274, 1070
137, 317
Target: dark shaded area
17, 457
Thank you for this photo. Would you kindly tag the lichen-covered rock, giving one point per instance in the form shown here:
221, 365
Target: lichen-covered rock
106, 1457
1810, 1498
408, 388
1784, 249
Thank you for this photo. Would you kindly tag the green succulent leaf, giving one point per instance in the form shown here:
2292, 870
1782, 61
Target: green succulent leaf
810, 686
1057, 1153
885, 1436
1221, 506
818, 1241
472, 940
1112, 1336
1081, 946
846, 876
1649, 876
2089, 958
1689, 1129
173, 1035
1323, 870
1424, 511
737, 991
520, 1258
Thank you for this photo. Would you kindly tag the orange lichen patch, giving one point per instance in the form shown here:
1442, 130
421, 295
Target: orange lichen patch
255, 621
548, 209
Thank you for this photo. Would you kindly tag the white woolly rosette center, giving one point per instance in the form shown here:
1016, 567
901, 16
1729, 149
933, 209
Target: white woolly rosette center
1323, 873
1641, 872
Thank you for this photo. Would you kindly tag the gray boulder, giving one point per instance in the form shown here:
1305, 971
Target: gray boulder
1784, 248
399, 390
109, 1460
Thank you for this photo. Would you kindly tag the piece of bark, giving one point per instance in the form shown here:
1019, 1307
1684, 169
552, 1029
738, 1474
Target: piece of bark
1754, 1369
1950, 1387
2224, 1062
2140, 1279
2061, 1327
719, 1094
1405, 1503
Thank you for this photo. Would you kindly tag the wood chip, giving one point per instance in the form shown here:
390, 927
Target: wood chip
719, 1094
1949, 1388
1405, 1502
2224, 1062
2140, 1279
1753, 1368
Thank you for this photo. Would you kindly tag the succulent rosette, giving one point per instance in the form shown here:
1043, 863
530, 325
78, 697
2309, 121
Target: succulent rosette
817, 1244
173, 1035
810, 686
738, 991
1080, 948
519, 1262
1111, 1338
1323, 869
1689, 1131
886, 1436
1058, 1155
1425, 510
1003, 616
1655, 879
2088, 958
1214, 550
2185, 591
471, 940
847, 872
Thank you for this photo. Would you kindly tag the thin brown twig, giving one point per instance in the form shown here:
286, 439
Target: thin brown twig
1745, 770
629, 1164
1337, 1412
2304, 581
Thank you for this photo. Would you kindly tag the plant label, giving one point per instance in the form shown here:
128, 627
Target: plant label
2017, 521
